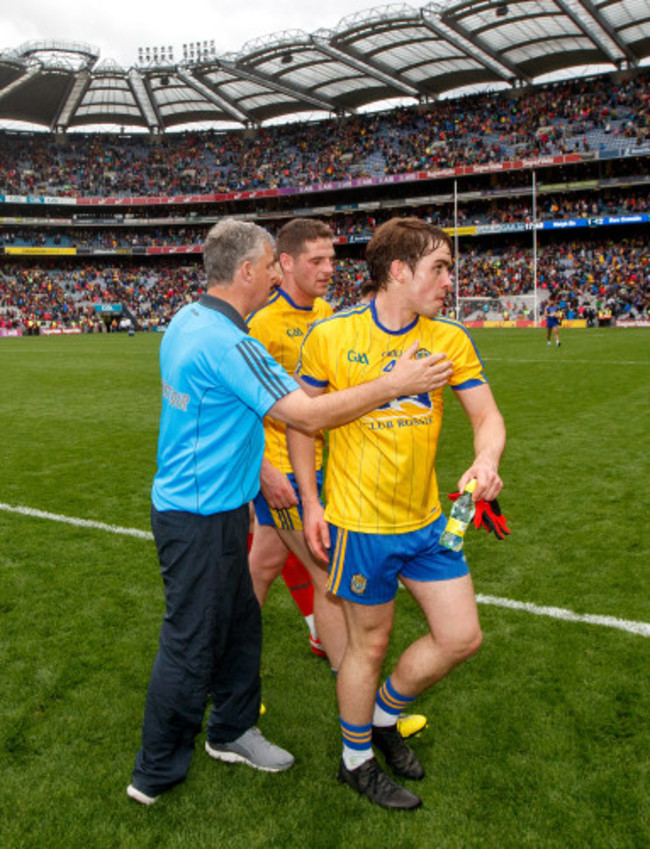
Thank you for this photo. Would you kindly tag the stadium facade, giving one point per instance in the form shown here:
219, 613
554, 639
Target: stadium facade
543, 172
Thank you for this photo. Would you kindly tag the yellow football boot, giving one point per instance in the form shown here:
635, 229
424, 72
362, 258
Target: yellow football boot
409, 724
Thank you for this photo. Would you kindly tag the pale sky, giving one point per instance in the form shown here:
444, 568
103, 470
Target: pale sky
118, 27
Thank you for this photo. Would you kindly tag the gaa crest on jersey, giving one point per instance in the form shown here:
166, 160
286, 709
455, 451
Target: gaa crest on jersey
421, 353
358, 584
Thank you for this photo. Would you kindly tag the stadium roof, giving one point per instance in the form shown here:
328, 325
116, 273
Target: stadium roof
389, 52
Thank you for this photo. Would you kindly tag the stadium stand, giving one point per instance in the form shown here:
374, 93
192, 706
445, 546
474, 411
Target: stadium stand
582, 116
545, 187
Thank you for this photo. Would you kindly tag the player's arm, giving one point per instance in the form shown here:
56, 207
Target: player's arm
489, 441
276, 487
409, 377
302, 453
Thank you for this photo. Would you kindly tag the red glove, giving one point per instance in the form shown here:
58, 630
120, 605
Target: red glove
488, 514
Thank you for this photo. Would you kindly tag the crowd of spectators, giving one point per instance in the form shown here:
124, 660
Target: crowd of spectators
585, 272
503, 210
578, 115
69, 294
101, 238
352, 225
575, 115
608, 271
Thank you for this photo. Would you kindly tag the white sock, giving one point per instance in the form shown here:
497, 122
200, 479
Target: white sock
312, 626
353, 758
382, 719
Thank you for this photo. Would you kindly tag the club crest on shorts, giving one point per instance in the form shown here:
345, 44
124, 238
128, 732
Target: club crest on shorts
358, 584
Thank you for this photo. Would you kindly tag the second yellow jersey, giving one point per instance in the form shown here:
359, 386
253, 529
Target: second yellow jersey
281, 326
381, 468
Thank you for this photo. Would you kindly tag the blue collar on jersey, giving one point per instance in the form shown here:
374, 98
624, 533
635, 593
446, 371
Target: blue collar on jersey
373, 311
283, 293
214, 303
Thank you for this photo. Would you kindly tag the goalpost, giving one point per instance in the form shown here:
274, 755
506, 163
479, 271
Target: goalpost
528, 307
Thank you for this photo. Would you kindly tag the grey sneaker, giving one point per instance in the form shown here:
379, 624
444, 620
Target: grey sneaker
254, 749
138, 796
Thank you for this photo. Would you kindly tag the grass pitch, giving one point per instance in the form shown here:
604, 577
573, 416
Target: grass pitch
541, 740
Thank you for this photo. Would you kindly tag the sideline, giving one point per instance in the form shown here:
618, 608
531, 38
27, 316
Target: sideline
80, 523
642, 629
546, 361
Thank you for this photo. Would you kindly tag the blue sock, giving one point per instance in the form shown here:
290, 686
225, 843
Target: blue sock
357, 743
389, 704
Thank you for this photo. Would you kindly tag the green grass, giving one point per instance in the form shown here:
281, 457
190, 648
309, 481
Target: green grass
541, 740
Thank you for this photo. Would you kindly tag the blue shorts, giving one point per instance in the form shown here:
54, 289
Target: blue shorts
364, 568
289, 518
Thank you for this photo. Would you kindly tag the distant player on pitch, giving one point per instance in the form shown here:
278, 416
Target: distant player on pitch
553, 320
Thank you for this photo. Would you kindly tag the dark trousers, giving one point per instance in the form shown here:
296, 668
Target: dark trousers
210, 642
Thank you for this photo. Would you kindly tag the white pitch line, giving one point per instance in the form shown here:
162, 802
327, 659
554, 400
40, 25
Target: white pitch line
640, 628
567, 361
80, 523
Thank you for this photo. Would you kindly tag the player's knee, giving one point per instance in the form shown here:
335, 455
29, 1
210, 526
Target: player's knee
380, 647
372, 647
265, 569
474, 643
461, 646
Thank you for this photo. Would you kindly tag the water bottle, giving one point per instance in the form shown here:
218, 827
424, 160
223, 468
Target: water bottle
462, 513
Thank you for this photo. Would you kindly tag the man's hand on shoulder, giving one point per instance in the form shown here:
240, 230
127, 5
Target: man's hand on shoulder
414, 374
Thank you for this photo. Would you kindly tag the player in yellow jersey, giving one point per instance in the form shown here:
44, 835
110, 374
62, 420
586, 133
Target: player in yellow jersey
383, 518
305, 251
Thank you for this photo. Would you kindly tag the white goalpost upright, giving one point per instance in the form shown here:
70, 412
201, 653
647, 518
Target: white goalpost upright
457, 260
535, 308
473, 308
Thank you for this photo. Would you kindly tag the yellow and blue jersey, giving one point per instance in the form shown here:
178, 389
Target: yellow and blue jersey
281, 326
381, 468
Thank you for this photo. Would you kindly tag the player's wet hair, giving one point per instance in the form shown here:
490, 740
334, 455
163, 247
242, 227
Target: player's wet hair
406, 239
293, 235
230, 243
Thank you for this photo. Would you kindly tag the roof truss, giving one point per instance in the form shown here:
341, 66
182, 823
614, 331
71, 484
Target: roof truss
393, 51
